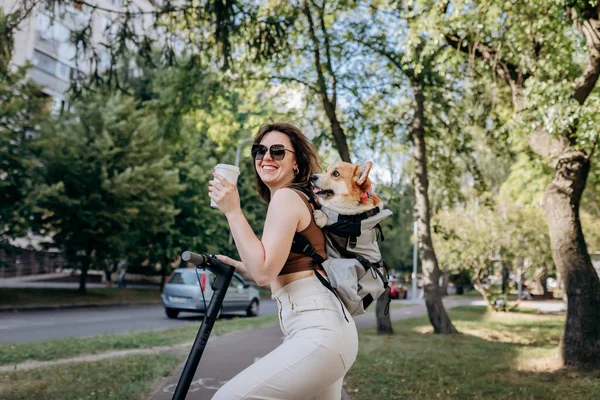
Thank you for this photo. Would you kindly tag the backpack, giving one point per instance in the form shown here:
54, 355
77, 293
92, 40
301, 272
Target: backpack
357, 274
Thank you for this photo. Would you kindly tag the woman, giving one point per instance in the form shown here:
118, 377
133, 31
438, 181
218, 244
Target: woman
319, 344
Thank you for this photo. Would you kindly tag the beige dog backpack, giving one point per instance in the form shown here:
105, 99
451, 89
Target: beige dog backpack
356, 271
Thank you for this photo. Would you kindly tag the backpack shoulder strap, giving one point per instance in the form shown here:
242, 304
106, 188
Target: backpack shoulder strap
301, 245
308, 196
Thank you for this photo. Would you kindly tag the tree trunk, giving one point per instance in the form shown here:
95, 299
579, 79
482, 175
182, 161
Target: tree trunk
505, 278
580, 344
164, 270
384, 323
445, 281
431, 271
540, 285
339, 137
329, 102
83, 277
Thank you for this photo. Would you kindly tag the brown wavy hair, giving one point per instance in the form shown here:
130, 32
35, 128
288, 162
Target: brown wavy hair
306, 156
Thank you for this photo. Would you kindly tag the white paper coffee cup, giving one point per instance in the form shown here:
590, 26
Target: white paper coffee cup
229, 172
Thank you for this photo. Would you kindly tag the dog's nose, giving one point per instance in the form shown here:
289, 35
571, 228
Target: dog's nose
314, 177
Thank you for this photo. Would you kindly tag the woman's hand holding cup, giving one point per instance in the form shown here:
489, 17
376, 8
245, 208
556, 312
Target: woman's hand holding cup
224, 194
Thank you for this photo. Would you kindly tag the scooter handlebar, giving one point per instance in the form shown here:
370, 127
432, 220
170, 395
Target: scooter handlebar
196, 259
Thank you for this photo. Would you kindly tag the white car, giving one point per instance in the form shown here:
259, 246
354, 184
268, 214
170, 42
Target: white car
183, 292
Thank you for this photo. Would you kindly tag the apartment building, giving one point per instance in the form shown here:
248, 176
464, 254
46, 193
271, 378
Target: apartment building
44, 39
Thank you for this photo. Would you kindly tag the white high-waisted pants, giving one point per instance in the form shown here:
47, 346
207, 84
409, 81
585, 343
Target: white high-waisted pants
319, 347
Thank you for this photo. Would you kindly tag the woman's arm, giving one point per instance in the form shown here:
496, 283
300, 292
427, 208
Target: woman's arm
264, 258
238, 265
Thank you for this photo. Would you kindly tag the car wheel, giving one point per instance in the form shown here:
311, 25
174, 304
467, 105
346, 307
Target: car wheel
252, 310
171, 313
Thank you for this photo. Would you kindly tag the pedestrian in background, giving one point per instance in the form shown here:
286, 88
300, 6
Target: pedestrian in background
123, 265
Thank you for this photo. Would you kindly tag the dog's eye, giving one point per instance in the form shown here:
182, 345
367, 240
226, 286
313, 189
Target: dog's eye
335, 174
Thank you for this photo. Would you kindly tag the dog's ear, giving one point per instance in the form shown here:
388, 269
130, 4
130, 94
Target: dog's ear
362, 172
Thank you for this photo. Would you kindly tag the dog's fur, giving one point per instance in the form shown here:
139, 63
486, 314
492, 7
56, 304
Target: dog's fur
342, 188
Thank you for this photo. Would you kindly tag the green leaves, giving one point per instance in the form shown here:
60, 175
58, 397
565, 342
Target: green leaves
21, 110
483, 240
107, 183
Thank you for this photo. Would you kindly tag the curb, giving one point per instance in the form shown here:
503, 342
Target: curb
72, 306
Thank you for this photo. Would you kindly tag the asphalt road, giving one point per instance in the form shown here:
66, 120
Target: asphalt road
33, 326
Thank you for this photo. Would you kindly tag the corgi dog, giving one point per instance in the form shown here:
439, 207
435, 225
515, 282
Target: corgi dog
344, 188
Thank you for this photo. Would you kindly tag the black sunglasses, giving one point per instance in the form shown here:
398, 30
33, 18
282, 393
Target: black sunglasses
277, 151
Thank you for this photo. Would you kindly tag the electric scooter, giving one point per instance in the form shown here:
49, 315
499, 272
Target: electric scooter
223, 273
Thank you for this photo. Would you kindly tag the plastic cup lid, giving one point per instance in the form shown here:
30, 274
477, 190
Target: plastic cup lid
228, 167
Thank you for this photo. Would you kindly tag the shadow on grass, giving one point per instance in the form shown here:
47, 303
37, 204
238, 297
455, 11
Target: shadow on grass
497, 356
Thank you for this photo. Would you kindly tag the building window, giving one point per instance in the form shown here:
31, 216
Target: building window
44, 62
49, 65
62, 71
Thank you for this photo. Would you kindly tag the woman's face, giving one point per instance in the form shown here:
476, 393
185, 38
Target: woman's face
276, 173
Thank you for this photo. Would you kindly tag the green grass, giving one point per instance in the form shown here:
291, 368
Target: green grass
497, 356
469, 293
19, 297
67, 348
393, 305
130, 377
401, 304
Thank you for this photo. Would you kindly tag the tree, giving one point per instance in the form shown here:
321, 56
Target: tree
204, 117
397, 249
322, 50
492, 243
22, 108
552, 75
107, 181
21, 111
415, 67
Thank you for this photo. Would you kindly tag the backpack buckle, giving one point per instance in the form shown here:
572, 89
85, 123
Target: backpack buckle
309, 250
352, 242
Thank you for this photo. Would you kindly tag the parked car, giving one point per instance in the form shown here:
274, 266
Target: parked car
183, 292
397, 291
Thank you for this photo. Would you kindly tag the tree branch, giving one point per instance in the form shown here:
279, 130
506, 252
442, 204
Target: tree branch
593, 148
504, 69
589, 27
545, 145
328, 55
160, 11
313, 37
310, 86
391, 57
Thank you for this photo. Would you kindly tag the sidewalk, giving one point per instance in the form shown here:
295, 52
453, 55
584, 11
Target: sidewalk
226, 356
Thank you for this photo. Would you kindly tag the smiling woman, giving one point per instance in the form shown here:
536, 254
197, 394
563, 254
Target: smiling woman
320, 344
290, 138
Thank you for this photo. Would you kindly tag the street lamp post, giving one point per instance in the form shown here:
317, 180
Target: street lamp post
414, 274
